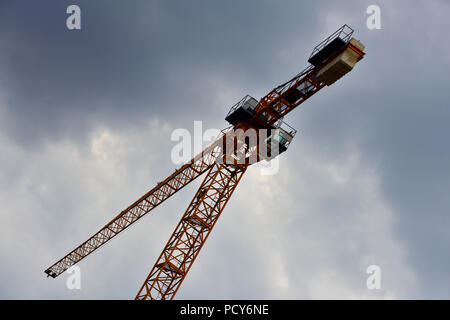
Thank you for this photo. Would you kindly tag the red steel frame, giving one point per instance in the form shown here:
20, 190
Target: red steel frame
191, 232
209, 202
164, 190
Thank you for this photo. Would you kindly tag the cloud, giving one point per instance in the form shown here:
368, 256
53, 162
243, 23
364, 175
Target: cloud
85, 124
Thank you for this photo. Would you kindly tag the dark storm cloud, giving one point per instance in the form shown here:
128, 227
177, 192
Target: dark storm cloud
150, 58
188, 60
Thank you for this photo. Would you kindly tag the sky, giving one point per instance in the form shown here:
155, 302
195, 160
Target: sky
86, 118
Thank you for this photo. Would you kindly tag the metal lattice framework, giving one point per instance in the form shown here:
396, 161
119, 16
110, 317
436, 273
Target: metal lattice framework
164, 190
225, 161
191, 232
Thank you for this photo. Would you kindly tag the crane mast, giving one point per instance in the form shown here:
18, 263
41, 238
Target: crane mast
192, 231
225, 161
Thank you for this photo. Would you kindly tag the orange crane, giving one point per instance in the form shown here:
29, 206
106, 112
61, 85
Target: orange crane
225, 161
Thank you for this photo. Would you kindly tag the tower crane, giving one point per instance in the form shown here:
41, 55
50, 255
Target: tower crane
224, 161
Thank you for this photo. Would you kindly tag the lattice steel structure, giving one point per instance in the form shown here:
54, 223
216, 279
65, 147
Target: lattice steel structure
192, 231
225, 161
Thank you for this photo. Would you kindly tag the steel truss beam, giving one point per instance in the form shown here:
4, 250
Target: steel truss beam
191, 232
220, 160
164, 190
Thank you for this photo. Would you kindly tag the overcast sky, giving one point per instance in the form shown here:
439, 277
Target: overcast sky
86, 118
